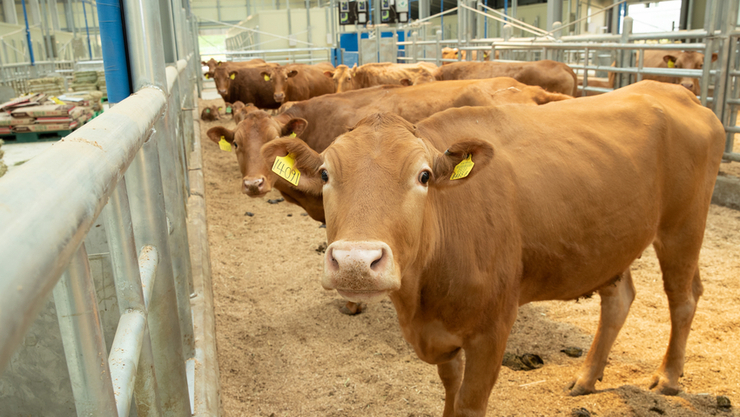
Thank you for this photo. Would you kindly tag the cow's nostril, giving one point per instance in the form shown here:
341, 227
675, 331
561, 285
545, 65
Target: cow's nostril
376, 263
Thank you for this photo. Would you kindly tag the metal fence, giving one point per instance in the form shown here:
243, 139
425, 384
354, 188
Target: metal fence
130, 165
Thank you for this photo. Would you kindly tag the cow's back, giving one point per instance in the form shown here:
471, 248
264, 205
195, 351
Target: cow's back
550, 75
577, 188
309, 82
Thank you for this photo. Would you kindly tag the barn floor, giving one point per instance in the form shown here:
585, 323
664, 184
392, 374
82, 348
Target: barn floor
285, 349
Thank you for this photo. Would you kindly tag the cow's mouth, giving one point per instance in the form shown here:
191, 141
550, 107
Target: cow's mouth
255, 193
369, 296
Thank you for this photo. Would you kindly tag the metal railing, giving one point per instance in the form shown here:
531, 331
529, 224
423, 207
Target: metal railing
130, 165
290, 55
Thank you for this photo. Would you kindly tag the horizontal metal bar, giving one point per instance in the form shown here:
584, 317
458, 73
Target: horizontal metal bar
732, 156
646, 70
593, 46
37, 244
124, 358
732, 129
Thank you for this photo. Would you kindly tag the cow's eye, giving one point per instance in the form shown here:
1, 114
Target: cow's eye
424, 177
324, 175
235, 145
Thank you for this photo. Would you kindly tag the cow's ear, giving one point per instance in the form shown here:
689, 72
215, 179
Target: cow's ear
669, 58
292, 73
216, 133
461, 161
329, 74
204, 63
406, 82
714, 57
303, 159
294, 127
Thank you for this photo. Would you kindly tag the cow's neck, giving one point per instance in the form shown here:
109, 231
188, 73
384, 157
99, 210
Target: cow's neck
313, 205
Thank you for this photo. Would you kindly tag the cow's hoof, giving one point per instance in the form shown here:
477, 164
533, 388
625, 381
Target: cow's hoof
660, 385
351, 308
577, 389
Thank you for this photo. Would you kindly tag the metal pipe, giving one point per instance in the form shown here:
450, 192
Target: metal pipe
82, 336
148, 211
87, 29
28, 34
124, 357
114, 50
709, 25
31, 261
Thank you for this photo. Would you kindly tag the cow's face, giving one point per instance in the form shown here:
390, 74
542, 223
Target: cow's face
378, 182
688, 60
223, 78
343, 78
278, 76
254, 130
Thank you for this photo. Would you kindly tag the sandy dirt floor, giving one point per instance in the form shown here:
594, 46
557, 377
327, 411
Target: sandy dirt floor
286, 350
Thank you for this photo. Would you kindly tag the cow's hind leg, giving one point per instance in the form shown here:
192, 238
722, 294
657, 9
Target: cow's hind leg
679, 261
616, 300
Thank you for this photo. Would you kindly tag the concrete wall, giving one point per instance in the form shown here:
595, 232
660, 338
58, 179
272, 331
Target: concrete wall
275, 22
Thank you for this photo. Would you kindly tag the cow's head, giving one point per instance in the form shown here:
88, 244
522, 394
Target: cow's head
343, 78
378, 183
255, 128
279, 77
688, 60
223, 76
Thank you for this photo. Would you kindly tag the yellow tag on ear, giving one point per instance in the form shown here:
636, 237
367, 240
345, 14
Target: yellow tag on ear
267, 77
463, 169
207, 77
671, 64
225, 146
232, 76
292, 135
284, 166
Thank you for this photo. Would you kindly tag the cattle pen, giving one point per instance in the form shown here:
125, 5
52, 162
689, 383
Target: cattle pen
136, 279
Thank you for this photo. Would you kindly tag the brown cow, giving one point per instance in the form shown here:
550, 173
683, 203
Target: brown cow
384, 73
241, 113
210, 113
676, 59
245, 84
552, 207
296, 82
551, 75
451, 53
212, 64
321, 119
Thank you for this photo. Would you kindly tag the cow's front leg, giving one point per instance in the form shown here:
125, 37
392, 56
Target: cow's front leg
483, 357
451, 375
616, 300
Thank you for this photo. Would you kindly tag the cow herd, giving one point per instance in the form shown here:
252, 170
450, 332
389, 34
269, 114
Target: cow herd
465, 191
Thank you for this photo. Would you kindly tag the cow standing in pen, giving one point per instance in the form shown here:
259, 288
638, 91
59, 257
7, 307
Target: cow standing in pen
473, 212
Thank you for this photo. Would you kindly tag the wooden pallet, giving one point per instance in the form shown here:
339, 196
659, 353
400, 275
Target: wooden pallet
35, 136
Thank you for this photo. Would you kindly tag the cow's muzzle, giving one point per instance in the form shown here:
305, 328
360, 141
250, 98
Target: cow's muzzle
360, 271
279, 97
255, 187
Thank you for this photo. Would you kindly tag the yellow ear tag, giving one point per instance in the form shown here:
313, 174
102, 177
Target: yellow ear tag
463, 169
292, 135
225, 146
284, 166
207, 77
232, 76
267, 78
671, 64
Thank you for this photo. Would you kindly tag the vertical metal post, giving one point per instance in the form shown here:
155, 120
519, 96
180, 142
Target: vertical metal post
438, 48
710, 24
179, 28
309, 29
9, 12
290, 22
82, 336
168, 32
146, 195
333, 17
28, 34
87, 29
129, 291
625, 56
377, 43
114, 51
729, 18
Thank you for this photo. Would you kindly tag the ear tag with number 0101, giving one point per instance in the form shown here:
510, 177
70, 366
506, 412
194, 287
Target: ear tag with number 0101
224, 145
671, 64
284, 166
463, 169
